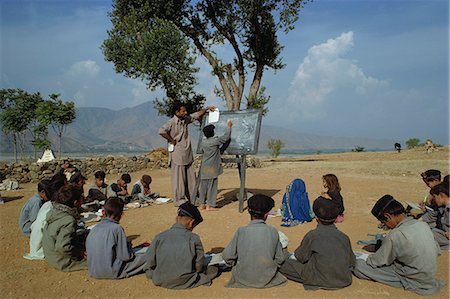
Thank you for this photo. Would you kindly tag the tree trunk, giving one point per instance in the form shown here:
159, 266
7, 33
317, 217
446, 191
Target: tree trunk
254, 88
15, 146
60, 137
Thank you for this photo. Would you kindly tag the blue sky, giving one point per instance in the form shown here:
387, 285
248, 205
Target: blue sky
356, 68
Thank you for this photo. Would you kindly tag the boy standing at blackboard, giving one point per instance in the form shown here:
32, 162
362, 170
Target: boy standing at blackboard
211, 166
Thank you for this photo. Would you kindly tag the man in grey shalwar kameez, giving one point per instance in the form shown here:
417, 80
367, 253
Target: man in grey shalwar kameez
255, 252
211, 166
175, 259
407, 257
109, 254
181, 158
441, 229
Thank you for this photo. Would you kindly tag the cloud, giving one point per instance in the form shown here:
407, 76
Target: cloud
325, 73
84, 68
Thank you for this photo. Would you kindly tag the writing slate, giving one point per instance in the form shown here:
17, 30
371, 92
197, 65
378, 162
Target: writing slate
244, 133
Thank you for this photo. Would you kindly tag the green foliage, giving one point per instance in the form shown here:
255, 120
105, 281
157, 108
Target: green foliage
260, 101
275, 146
412, 143
358, 149
166, 106
148, 41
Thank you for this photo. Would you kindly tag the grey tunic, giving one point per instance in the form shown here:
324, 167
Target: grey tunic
211, 161
255, 253
175, 259
109, 255
442, 226
324, 259
29, 213
409, 254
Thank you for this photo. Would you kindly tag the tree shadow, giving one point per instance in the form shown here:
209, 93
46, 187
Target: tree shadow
11, 198
232, 195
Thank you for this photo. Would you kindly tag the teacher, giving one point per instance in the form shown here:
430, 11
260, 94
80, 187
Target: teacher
175, 131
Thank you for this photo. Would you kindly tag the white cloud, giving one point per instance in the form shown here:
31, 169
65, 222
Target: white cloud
84, 68
324, 74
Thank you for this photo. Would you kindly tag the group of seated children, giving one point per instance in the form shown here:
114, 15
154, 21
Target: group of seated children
175, 258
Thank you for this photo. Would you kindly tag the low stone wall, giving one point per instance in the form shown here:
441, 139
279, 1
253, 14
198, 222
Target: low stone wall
34, 172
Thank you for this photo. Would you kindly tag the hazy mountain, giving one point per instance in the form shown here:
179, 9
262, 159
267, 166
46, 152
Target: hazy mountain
136, 128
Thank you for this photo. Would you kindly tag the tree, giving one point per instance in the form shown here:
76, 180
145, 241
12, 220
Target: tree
17, 114
358, 149
412, 143
248, 27
275, 146
56, 113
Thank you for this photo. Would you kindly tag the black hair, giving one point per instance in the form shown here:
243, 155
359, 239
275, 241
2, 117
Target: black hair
176, 106
126, 178
44, 186
208, 131
68, 195
56, 182
113, 207
440, 188
100, 175
387, 205
76, 178
445, 180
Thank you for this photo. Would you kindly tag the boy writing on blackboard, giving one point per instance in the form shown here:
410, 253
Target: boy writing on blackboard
211, 166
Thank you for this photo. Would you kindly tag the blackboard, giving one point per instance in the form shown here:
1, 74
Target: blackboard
244, 134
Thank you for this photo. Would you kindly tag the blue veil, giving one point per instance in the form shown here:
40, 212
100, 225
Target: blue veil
295, 207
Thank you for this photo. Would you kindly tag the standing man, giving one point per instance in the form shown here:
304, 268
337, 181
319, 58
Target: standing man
181, 158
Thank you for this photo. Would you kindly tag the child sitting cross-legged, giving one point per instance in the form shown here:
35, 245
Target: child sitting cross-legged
324, 258
109, 254
255, 252
441, 230
408, 255
175, 258
62, 248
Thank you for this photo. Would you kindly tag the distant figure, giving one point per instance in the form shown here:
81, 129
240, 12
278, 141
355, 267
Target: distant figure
430, 146
398, 147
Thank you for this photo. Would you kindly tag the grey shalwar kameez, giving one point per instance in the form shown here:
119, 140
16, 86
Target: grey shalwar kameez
180, 160
255, 253
324, 259
175, 259
109, 255
211, 167
406, 259
29, 213
442, 226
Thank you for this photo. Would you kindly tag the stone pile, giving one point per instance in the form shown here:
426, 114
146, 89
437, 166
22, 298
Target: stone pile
34, 172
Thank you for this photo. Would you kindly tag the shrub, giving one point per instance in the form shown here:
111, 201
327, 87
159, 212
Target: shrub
412, 143
275, 146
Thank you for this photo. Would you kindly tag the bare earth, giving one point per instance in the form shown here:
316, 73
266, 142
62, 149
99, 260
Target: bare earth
364, 178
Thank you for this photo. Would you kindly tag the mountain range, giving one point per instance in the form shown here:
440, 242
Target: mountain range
136, 129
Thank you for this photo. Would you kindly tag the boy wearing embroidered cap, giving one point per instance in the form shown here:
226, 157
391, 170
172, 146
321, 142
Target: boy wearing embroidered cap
175, 259
255, 252
407, 257
324, 258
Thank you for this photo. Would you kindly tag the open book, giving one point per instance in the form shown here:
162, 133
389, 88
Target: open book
417, 207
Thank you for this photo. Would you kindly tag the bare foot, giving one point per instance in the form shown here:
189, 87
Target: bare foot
209, 208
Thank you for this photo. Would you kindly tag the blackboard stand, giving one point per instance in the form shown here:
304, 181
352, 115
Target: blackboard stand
241, 161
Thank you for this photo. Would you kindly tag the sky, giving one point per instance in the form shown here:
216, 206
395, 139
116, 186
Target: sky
354, 68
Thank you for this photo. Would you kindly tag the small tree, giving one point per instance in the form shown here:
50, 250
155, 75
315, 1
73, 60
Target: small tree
56, 113
412, 143
275, 146
358, 149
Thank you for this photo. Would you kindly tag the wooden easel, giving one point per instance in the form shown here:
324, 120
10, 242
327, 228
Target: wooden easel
241, 161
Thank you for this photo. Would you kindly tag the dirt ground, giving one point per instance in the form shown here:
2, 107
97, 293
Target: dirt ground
364, 177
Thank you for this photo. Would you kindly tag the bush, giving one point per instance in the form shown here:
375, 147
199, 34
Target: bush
412, 143
358, 149
275, 146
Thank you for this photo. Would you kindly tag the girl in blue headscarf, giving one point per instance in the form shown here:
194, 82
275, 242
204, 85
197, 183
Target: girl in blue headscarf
295, 208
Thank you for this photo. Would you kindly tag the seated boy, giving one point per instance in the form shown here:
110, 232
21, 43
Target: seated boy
441, 231
119, 189
175, 258
61, 247
211, 166
325, 258
255, 252
99, 187
408, 255
141, 190
109, 255
428, 211
30, 210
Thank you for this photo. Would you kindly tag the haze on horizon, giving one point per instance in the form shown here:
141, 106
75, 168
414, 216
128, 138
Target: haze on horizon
376, 69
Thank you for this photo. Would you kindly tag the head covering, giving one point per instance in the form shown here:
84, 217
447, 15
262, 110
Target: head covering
260, 204
381, 205
431, 174
325, 209
189, 210
209, 130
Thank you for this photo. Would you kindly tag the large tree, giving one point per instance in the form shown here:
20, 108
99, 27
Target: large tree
57, 114
248, 27
17, 115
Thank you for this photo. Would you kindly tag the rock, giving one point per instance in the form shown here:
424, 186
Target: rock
9, 184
